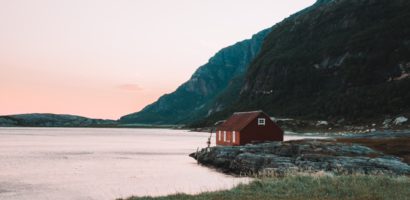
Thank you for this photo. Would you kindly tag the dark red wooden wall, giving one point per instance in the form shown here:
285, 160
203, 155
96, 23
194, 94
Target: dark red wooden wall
256, 133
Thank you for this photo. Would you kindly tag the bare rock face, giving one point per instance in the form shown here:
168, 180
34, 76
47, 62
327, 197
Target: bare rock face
301, 156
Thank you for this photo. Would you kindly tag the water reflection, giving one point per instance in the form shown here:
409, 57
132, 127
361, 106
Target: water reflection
64, 163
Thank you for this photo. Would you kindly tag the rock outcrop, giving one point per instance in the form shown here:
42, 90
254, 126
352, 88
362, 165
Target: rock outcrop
279, 158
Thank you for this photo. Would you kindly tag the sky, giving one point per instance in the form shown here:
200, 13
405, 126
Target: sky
108, 58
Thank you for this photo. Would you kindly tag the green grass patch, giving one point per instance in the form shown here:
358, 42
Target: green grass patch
309, 187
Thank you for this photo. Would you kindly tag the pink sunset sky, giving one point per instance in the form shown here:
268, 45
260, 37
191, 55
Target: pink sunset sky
108, 58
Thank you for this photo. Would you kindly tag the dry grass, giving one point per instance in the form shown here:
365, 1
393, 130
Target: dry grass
309, 187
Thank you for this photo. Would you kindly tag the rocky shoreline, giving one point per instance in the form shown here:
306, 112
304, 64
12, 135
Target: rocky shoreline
305, 156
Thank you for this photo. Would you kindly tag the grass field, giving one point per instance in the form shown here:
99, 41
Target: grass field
309, 187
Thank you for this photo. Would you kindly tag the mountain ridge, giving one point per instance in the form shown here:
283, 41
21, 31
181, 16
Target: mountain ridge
348, 60
203, 86
154, 113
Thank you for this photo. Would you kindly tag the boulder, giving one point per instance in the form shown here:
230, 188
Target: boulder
400, 120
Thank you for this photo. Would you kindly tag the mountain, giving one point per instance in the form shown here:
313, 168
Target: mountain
191, 99
336, 60
51, 120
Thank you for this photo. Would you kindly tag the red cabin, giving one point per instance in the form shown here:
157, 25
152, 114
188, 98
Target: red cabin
248, 127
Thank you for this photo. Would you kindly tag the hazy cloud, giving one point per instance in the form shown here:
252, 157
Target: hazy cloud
129, 87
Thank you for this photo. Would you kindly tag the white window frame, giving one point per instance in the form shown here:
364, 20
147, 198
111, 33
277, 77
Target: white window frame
224, 136
261, 121
219, 136
233, 136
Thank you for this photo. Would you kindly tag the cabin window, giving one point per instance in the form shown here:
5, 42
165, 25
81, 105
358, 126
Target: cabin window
233, 136
261, 121
219, 136
224, 136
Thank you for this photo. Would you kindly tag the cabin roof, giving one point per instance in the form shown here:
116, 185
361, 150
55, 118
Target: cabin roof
239, 120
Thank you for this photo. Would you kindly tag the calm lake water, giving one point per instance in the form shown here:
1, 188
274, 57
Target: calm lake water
97, 163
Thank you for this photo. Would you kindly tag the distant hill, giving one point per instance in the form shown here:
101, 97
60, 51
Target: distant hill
193, 98
51, 120
337, 60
